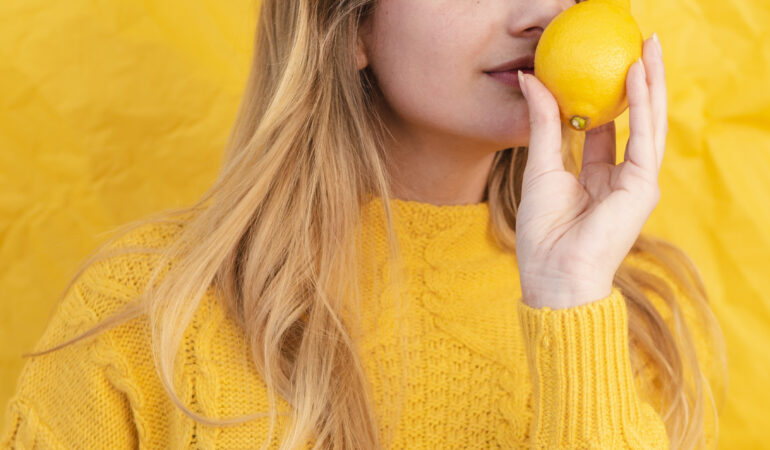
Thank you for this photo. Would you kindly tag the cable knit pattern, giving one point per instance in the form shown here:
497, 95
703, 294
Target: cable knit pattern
478, 368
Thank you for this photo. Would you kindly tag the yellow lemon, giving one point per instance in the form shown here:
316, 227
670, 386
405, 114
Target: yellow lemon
626, 4
583, 58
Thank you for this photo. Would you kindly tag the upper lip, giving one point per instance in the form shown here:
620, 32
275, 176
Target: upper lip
527, 61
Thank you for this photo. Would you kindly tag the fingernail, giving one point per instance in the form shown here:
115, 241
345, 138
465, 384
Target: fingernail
522, 84
641, 64
657, 43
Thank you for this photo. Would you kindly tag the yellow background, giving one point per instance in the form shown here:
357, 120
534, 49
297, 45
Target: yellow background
112, 110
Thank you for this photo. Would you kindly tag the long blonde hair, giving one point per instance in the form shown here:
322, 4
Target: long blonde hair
276, 236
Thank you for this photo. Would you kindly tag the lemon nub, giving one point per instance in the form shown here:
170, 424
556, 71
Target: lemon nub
579, 123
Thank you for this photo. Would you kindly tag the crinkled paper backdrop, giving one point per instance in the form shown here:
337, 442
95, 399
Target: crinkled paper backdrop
112, 110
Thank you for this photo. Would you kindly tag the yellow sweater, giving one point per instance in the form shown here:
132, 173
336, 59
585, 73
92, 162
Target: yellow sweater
487, 371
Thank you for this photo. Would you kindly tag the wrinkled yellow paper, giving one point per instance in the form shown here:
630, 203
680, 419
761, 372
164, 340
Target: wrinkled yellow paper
113, 110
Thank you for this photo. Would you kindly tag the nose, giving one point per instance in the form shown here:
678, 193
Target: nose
529, 18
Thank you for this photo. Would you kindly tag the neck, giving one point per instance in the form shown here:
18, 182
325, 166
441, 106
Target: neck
437, 168
441, 176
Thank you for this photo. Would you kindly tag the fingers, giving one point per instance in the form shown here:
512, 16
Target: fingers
640, 149
545, 129
600, 145
656, 77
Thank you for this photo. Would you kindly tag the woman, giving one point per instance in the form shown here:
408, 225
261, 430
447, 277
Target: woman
384, 263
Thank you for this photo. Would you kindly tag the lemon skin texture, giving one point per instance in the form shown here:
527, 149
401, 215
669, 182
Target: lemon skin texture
626, 4
583, 58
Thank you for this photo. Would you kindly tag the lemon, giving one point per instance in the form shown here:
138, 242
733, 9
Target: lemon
626, 4
583, 58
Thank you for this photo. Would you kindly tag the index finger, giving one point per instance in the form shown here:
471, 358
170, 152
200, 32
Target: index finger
656, 81
545, 129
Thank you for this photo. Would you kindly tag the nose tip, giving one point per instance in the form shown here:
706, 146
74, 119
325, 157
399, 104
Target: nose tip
532, 21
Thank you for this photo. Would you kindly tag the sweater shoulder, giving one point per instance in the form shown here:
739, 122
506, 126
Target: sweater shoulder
111, 374
123, 267
107, 281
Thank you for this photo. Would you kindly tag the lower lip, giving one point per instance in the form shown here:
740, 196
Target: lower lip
510, 77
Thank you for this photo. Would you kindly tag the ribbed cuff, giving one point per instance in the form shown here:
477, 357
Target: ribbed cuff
580, 367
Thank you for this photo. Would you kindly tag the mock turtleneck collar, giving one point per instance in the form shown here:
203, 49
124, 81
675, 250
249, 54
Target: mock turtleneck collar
448, 238
419, 220
443, 247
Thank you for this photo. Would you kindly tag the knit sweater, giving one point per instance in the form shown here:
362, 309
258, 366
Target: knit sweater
485, 370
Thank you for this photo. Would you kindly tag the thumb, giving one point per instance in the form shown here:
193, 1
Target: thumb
544, 128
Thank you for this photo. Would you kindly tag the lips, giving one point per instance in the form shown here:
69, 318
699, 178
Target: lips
509, 77
526, 62
523, 69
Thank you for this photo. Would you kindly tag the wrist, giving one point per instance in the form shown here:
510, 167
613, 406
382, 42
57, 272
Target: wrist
557, 294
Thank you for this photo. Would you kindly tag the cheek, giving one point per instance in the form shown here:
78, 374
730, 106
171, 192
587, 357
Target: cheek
467, 111
506, 119
429, 73
456, 103
417, 64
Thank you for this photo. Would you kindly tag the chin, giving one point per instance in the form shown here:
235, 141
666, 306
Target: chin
512, 141
504, 135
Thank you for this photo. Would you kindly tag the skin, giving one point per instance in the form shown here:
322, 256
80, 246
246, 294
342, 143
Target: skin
449, 118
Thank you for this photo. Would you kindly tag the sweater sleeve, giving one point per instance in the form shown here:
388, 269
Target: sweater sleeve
69, 398
582, 379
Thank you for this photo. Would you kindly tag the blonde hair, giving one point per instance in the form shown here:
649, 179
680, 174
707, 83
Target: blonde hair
277, 234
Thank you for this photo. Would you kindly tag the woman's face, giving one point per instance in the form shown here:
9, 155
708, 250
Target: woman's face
430, 56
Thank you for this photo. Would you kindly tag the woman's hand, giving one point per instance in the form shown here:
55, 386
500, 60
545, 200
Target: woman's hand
573, 234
